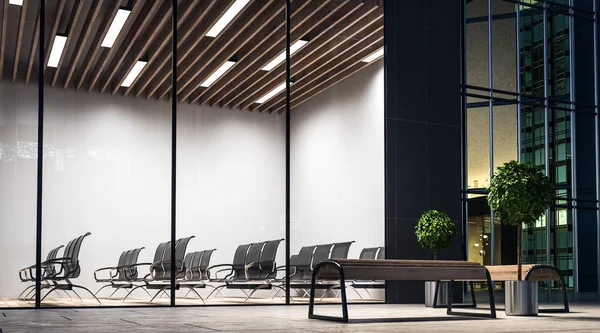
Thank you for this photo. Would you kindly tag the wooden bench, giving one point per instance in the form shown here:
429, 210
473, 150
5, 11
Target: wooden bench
409, 270
532, 273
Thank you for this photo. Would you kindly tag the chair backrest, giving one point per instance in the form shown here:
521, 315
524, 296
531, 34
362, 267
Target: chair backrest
253, 257
267, 259
121, 269
50, 270
191, 265
132, 271
305, 257
205, 263
239, 261
162, 251
180, 249
369, 253
381, 254
72, 268
294, 260
321, 254
340, 250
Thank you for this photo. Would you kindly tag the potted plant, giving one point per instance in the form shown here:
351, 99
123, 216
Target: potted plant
435, 231
519, 194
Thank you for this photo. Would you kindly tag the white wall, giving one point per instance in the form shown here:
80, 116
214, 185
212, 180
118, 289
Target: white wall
337, 164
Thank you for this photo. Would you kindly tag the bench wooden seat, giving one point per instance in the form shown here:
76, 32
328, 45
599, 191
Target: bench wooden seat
410, 270
531, 273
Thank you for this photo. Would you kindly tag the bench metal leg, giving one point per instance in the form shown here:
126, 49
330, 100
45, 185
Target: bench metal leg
311, 304
563, 287
473, 303
492, 313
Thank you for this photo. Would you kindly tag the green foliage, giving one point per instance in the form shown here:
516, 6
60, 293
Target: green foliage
519, 192
435, 230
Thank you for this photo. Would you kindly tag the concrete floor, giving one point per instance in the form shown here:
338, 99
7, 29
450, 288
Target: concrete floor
249, 319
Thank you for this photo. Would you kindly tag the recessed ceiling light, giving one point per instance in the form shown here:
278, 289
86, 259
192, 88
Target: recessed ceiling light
272, 93
16, 2
133, 74
229, 15
281, 57
57, 49
218, 73
373, 56
115, 27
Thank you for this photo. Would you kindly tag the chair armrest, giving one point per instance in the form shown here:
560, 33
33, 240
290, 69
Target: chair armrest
110, 274
229, 269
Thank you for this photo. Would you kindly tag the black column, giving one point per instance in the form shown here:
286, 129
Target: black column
423, 133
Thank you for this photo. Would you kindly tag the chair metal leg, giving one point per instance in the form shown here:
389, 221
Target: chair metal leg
76, 294
86, 289
157, 293
99, 290
217, 289
26, 289
132, 290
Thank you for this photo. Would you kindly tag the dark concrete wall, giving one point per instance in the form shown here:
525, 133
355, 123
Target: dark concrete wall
423, 134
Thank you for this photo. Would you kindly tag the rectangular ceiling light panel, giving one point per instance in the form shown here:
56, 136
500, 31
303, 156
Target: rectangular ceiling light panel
115, 27
16, 2
229, 15
218, 73
57, 50
281, 58
272, 93
373, 56
134, 73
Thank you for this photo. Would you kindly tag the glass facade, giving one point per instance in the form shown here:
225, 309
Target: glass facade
186, 174
530, 84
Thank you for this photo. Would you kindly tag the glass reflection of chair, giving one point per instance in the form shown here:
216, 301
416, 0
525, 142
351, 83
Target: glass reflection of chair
69, 269
196, 271
253, 269
122, 276
159, 277
27, 274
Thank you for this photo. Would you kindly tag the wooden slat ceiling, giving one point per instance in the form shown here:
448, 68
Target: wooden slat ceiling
340, 33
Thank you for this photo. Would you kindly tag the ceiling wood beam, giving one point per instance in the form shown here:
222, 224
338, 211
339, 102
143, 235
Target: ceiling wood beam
132, 43
3, 36
337, 26
127, 28
243, 19
82, 40
307, 20
197, 38
61, 7
335, 51
75, 16
209, 66
34, 46
329, 82
93, 52
166, 39
22, 15
341, 59
249, 60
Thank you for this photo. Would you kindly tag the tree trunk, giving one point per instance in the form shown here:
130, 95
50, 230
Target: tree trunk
435, 255
519, 251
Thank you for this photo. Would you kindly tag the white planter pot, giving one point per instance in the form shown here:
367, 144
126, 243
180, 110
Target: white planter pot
521, 298
430, 292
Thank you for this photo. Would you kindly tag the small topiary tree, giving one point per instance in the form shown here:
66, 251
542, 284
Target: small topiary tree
435, 231
519, 194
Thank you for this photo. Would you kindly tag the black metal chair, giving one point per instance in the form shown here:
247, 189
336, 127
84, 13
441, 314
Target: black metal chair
369, 253
159, 277
27, 274
252, 269
69, 269
196, 271
122, 276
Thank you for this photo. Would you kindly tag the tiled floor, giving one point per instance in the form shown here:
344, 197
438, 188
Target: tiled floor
249, 319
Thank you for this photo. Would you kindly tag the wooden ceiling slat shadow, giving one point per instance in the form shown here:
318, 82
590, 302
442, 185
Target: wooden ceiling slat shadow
339, 34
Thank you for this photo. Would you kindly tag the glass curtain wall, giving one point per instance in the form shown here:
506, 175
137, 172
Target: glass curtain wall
336, 138
107, 153
231, 157
520, 105
18, 151
127, 158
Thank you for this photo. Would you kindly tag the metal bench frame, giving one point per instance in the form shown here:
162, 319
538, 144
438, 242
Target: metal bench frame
342, 282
